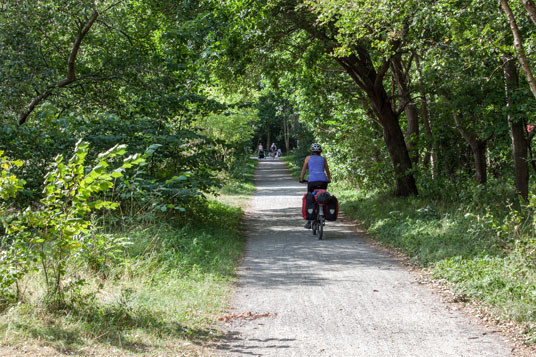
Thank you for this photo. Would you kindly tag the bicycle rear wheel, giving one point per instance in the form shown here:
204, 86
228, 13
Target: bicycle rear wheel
321, 227
314, 226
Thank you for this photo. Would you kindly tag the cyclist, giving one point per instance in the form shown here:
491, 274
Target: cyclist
261, 151
273, 149
319, 175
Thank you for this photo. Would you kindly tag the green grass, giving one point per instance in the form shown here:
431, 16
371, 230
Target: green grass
240, 179
479, 247
162, 297
239, 183
294, 163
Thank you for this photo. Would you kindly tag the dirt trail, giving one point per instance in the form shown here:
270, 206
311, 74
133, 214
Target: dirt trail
335, 297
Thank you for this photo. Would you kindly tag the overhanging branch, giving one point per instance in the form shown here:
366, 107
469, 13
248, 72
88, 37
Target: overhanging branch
71, 73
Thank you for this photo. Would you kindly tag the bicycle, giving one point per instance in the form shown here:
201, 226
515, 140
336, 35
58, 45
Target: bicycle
317, 224
319, 220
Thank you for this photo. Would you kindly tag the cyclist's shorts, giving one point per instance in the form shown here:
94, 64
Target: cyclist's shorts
313, 185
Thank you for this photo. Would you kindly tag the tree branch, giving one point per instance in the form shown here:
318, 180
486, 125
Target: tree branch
71, 73
118, 30
348, 68
518, 43
113, 5
469, 137
408, 67
381, 73
78, 42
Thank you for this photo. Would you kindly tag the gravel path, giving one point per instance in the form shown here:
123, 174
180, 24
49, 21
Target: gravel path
299, 296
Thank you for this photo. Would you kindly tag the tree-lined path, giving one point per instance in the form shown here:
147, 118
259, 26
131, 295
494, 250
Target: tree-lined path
336, 297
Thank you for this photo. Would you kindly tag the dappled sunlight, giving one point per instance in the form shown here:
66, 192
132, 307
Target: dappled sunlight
337, 292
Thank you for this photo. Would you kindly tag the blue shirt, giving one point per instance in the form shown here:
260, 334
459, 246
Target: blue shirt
316, 168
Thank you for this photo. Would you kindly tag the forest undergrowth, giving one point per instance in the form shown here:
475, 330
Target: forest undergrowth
481, 241
161, 294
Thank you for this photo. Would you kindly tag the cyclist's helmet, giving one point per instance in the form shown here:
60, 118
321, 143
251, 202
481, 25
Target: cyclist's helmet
316, 148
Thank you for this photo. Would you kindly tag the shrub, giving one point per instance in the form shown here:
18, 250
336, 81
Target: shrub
47, 237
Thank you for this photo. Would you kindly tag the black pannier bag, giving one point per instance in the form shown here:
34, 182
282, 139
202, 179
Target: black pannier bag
331, 209
308, 206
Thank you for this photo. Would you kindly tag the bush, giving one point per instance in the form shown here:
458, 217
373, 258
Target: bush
46, 238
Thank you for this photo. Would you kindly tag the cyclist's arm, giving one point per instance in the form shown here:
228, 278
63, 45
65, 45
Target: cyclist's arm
304, 168
326, 167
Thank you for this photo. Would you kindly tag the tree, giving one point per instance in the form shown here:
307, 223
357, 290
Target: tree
309, 22
518, 42
517, 128
82, 31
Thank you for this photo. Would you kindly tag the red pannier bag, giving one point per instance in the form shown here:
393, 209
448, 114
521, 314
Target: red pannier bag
331, 209
308, 206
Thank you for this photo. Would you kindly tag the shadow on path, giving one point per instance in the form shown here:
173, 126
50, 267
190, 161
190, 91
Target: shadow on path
337, 296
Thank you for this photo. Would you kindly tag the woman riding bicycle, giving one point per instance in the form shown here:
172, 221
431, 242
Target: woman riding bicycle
319, 175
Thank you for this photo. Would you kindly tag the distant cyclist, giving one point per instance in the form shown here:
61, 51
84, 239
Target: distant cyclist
319, 175
273, 149
261, 151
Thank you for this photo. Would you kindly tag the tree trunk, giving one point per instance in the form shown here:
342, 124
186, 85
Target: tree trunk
396, 146
479, 152
531, 9
362, 71
517, 130
478, 147
412, 116
431, 154
518, 43
286, 132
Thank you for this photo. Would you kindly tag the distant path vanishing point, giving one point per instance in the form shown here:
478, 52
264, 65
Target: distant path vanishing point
300, 296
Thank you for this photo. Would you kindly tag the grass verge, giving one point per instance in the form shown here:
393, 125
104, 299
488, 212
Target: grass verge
162, 296
480, 251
